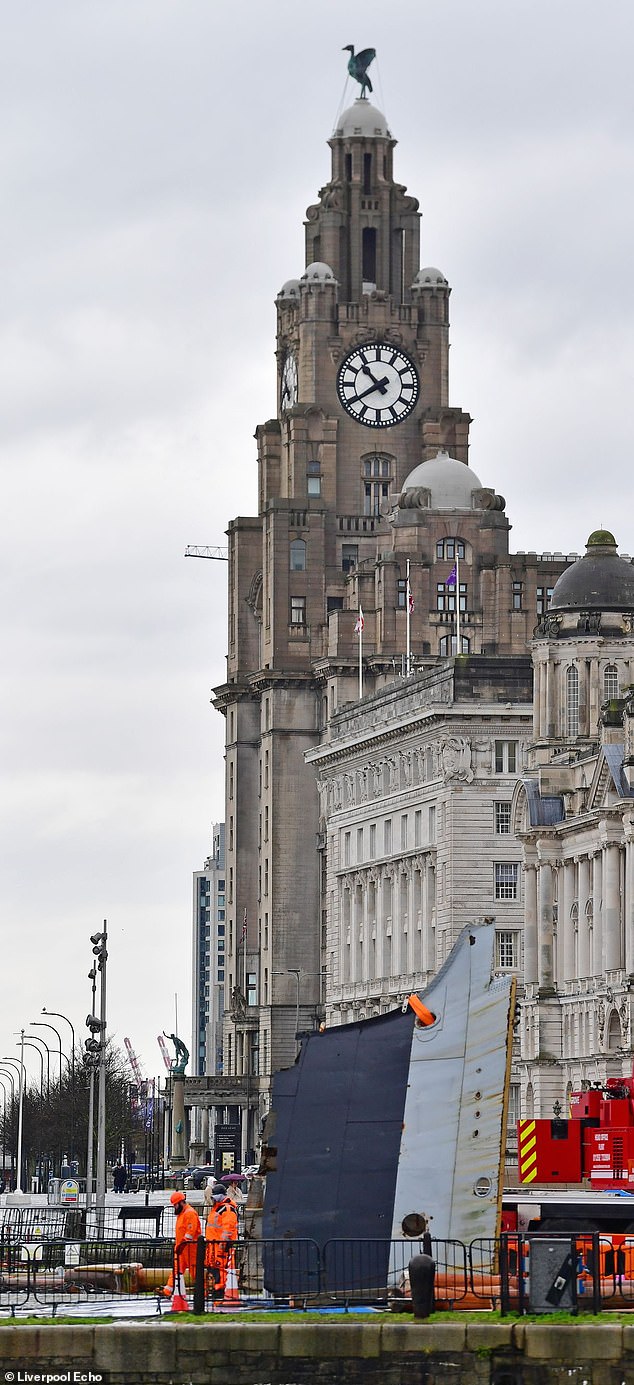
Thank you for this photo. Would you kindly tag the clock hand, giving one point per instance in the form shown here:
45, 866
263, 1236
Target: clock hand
376, 385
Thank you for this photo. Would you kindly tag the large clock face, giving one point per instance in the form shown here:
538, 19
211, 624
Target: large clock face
288, 388
378, 385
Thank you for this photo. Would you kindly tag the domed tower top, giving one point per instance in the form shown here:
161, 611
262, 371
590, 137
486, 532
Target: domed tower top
365, 226
600, 581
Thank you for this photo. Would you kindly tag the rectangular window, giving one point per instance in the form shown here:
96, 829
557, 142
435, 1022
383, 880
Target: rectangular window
506, 950
404, 832
314, 485
252, 988
401, 594
298, 610
432, 824
387, 837
543, 599
518, 588
372, 840
506, 879
359, 844
349, 556
505, 757
346, 848
503, 819
418, 827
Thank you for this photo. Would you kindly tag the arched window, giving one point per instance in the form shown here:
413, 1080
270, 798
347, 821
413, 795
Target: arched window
298, 555
378, 474
610, 682
449, 645
614, 1037
572, 702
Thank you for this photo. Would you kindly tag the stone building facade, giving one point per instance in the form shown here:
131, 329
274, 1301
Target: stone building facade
573, 811
366, 503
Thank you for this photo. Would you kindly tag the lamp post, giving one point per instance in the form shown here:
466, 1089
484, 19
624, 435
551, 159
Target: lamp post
19, 1063
98, 1046
36, 1038
91, 1060
4, 1120
41, 1024
297, 972
8, 1072
25, 1044
57, 1014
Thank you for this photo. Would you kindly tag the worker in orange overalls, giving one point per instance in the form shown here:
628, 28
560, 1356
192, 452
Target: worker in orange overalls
186, 1232
221, 1233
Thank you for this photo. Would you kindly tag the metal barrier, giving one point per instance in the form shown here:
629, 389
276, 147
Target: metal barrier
43, 1268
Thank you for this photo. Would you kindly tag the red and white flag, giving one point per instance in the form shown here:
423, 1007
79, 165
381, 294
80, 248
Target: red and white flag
360, 622
410, 605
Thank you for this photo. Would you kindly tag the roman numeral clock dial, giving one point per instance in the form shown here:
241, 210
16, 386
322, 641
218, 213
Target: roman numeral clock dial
377, 385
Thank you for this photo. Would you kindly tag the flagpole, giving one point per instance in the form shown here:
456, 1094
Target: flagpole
408, 602
360, 653
458, 646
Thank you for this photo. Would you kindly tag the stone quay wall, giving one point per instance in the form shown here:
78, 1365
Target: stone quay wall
313, 1353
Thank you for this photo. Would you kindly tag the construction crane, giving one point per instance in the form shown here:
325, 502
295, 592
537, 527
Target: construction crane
134, 1063
164, 1050
202, 550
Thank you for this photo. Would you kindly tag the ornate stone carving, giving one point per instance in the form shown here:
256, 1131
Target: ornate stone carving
455, 753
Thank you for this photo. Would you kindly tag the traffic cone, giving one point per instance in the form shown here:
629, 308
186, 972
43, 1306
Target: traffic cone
232, 1293
179, 1300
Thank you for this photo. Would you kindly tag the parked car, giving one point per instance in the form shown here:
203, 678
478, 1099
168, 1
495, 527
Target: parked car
197, 1177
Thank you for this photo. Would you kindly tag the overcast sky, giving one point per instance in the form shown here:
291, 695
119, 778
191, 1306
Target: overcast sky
157, 158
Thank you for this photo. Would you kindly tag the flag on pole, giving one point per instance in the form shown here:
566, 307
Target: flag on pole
451, 580
360, 622
411, 604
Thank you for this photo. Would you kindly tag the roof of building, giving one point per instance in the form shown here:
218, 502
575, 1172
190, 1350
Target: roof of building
362, 119
601, 580
318, 271
429, 277
450, 482
613, 754
543, 810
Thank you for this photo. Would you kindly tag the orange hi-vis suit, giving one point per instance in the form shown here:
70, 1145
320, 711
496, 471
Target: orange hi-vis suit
221, 1232
186, 1232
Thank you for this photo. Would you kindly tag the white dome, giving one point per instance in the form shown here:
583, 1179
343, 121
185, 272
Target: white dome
362, 119
290, 289
429, 277
449, 481
319, 271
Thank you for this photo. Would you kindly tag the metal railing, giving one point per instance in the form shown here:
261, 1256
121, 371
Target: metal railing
43, 1266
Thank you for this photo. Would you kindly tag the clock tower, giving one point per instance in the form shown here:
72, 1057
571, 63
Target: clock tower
362, 399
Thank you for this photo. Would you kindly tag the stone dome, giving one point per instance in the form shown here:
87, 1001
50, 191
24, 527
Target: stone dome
430, 278
362, 119
290, 289
601, 580
318, 272
449, 481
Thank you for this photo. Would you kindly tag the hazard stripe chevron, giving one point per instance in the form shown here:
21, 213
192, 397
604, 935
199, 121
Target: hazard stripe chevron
527, 1151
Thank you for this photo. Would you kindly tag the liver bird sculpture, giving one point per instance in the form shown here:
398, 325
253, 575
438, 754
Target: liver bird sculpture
358, 64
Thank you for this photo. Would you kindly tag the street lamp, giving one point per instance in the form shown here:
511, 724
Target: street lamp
297, 972
4, 1073
97, 1046
41, 1024
37, 1038
25, 1044
57, 1014
19, 1063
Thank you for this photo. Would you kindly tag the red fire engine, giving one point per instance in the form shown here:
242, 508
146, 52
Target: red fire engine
593, 1148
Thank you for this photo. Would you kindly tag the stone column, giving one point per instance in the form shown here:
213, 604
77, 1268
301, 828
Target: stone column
178, 1154
584, 960
545, 927
596, 895
628, 910
612, 958
565, 921
530, 922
